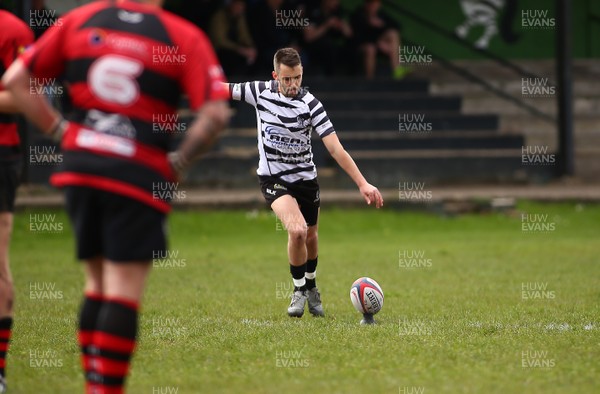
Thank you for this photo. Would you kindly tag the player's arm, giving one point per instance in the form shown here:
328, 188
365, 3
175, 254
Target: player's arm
45, 59
35, 107
246, 91
203, 80
228, 87
211, 120
345, 161
23, 36
7, 104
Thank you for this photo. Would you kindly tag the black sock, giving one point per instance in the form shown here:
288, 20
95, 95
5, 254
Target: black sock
311, 268
88, 316
298, 273
5, 332
114, 343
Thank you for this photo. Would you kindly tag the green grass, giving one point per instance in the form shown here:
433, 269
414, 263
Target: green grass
218, 325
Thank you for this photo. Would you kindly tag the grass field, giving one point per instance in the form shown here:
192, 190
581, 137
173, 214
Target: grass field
473, 304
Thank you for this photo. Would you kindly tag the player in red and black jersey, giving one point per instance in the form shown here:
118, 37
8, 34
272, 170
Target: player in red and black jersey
126, 63
15, 35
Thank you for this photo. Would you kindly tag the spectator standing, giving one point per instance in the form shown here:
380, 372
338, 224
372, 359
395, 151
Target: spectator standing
231, 38
328, 37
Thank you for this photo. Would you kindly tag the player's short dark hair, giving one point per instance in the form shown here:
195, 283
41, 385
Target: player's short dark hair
287, 56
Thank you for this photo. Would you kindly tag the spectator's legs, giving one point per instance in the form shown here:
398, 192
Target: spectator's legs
389, 44
370, 59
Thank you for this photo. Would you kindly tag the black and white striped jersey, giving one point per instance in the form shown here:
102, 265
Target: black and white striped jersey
284, 127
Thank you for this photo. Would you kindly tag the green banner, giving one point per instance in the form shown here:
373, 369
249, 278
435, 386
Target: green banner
512, 29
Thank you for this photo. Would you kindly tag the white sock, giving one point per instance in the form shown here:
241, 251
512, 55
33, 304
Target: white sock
299, 282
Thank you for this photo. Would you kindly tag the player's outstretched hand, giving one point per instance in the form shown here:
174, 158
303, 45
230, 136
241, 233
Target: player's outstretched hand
372, 195
179, 165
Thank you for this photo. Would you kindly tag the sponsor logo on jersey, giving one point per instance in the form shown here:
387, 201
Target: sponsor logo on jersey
271, 192
126, 44
303, 120
270, 130
113, 124
130, 17
279, 186
97, 37
282, 140
108, 143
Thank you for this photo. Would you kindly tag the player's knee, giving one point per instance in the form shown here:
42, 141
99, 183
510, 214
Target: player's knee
297, 234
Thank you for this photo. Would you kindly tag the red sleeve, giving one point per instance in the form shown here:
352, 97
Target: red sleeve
203, 77
46, 57
22, 37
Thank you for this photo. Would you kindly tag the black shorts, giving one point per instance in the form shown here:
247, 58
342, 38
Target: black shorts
10, 174
115, 227
306, 194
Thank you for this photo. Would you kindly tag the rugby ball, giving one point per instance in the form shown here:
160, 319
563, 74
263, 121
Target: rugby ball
366, 296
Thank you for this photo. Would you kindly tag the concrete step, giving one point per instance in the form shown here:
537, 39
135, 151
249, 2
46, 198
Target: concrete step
436, 71
380, 120
387, 170
348, 85
501, 167
407, 123
247, 139
320, 85
514, 87
483, 104
249, 134
400, 104
437, 142
583, 70
400, 142
584, 126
